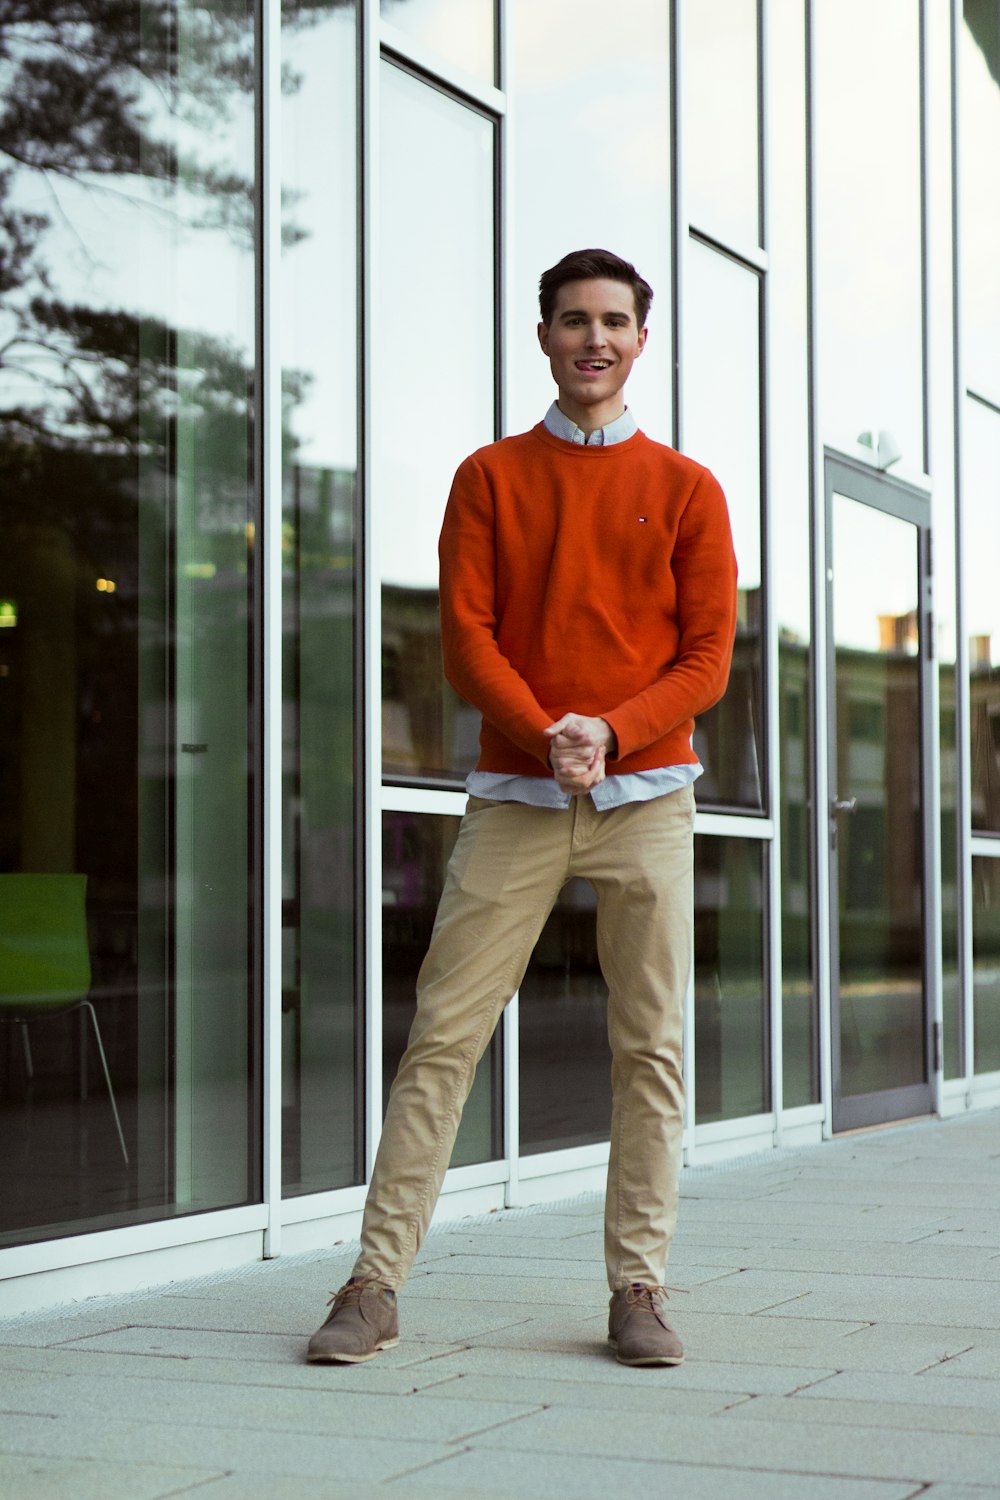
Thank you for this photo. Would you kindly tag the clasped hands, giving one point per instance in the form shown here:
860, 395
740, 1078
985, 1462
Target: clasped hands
579, 747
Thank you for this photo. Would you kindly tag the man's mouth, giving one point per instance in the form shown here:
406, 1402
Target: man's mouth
593, 364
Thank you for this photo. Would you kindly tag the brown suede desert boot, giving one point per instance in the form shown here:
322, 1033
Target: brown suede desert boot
638, 1328
362, 1320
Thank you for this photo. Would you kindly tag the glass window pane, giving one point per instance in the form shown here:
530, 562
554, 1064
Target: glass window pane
730, 990
127, 514
435, 360
876, 770
980, 507
869, 338
986, 963
461, 32
979, 136
579, 181
722, 431
721, 180
323, 1145
416, 848
565, 1087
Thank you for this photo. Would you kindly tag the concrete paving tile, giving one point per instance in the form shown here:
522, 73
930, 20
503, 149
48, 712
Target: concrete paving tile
37, 1478
856, 1258
245, 1486
328, 1408
278, 1310
800, 1215
791, 1340
395, 1369
959, 1492
422, 1318
989, 1239
596, 1366
866, 1385
561, 1476
58, 1330
981, 1361
508, 1291
856, 1190
214, 1448
664, 1397
749, 1291
516, 1268
899, 1300
521, 1267
190, 1343
732, 1441
900, 1416
540, 1224
588, 1248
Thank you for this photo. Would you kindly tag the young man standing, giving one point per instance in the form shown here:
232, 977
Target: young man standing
588, 606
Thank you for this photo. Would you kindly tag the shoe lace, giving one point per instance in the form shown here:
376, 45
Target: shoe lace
638, 1295
351, 1292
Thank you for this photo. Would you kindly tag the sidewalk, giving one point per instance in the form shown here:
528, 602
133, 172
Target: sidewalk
842, 1328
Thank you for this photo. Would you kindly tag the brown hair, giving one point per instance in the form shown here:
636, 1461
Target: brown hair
592, 265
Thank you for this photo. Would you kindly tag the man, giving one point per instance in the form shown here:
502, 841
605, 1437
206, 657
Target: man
588, 591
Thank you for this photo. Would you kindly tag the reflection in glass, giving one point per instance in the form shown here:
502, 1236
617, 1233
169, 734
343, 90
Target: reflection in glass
730, 989
416, 848
579, 183
721, 119
979, 137
435, 361
565, 1089
461, 32
986, 963
877, 767
980, 494
126, 573
868, 124
722, 431
320, 1025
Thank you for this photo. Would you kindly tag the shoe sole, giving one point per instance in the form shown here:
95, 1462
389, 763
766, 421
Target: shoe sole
350, 1359
646, 1359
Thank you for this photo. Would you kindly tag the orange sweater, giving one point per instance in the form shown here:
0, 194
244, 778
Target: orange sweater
597, 580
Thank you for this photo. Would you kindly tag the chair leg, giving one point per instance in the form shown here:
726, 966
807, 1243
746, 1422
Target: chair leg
107, 1077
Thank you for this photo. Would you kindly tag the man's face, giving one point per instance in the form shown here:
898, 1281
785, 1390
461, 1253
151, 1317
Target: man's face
592, 343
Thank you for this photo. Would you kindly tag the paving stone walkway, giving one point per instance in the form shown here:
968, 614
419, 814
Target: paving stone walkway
842, 1322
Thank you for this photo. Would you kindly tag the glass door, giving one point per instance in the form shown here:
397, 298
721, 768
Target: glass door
877, 603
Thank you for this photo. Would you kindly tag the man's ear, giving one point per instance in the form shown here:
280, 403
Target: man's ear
642, 339
543, 337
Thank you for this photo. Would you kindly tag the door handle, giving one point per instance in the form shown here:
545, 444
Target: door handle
844, 804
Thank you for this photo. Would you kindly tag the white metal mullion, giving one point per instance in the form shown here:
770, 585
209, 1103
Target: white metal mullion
771, 637
270, 189
820, 748
680, 250
505, 230
932, 780
372, 584
963, 711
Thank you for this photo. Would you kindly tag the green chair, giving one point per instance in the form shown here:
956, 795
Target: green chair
45, 959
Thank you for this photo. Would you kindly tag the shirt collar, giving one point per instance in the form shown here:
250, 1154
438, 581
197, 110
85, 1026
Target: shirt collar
561, 426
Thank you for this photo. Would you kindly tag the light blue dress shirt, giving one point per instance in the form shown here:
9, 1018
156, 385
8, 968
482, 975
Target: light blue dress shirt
613, 791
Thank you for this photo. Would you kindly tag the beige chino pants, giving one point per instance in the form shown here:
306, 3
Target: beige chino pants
508, 866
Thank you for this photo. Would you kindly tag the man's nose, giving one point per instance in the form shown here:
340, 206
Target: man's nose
595, 335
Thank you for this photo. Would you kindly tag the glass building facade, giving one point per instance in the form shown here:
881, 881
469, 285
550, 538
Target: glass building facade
268, 272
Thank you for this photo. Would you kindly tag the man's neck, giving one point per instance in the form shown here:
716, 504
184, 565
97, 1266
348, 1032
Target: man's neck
590, 419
